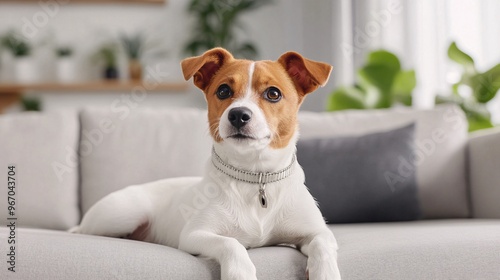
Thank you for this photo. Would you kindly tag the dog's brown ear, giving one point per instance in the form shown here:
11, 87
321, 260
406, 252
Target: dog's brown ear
307, 74
202, 68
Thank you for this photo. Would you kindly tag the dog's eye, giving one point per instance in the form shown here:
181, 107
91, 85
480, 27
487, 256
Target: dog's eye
224, 91
272, 94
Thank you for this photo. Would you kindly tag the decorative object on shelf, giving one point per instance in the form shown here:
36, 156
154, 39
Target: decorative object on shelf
66, 65
134, 47
216, 24
474, 89
25, 66
381, 84
138, 48
31, 103
108, 54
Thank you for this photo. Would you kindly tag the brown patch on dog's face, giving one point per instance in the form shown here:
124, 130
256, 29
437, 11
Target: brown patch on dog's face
235, 75
276, 92
281, 115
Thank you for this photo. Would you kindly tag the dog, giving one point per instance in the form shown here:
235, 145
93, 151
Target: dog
253, 186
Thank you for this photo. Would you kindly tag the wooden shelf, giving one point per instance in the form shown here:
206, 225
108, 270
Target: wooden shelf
98, 86
11, 93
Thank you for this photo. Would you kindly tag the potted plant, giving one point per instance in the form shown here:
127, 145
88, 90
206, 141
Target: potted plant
25, 67
134, 48
108, 55
216, 25
474, 90
31, 103
139, 48
66, 66
381, 84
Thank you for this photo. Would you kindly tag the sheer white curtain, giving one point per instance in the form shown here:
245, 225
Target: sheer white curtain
419, 32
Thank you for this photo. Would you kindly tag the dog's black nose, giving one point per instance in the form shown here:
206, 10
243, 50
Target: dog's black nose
239, 116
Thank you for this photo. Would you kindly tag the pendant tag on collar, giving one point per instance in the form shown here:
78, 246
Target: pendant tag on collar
262, 196
262, 191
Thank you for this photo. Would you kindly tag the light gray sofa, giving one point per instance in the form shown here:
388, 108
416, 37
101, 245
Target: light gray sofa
458, 188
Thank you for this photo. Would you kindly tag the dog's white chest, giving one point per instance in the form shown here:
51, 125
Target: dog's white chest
253, 229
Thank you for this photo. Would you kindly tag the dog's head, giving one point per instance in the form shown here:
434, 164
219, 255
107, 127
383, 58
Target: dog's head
254, 103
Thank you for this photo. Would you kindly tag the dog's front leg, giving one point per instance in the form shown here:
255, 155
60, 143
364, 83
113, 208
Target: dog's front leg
321, 249
232, 256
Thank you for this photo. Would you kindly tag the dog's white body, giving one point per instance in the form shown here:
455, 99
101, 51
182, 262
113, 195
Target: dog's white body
220, 217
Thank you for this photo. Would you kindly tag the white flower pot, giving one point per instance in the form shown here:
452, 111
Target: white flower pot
67, 70
25, 70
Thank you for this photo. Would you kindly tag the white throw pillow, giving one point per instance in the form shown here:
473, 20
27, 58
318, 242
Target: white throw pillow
42, 147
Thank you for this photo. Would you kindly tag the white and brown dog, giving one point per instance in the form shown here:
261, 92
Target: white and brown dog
253, 187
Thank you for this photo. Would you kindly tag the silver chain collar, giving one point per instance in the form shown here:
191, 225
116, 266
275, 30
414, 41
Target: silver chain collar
261, 178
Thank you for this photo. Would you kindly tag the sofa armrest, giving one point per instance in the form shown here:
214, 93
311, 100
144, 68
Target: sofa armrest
484, 173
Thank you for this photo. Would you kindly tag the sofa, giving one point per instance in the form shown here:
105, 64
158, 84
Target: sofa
63, 162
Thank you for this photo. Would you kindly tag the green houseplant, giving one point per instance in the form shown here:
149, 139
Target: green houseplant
134, 47
31, 103
107, 53
483, 86
67, 69
381, 84
64, 51
216, 23
25, 69
138, 47
16, 44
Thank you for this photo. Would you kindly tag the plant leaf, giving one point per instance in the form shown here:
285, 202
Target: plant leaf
486, 85
478, 123
345, 98
216, 23
477, 116
31, 103
403, 85
382, 57
377, 80
460, 57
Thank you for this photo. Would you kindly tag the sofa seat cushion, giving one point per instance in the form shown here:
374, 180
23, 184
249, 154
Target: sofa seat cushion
433, 249
446, 249
46, 254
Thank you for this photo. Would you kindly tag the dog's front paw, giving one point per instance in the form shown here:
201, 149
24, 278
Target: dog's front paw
238, 270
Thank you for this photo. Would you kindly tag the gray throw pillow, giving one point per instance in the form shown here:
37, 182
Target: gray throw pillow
370, 178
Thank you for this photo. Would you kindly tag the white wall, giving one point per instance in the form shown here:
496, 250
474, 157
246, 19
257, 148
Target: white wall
304, 26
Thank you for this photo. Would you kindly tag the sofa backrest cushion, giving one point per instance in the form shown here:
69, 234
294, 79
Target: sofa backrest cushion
120, 149
42, 148
441, 139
